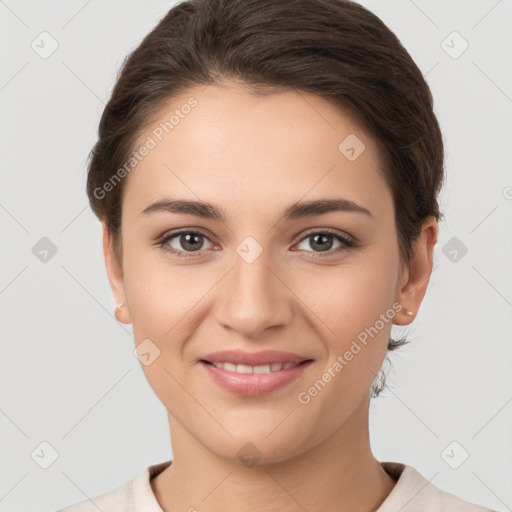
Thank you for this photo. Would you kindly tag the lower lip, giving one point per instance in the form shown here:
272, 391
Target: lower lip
254, 384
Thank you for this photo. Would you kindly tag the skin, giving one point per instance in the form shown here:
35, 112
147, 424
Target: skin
254, 156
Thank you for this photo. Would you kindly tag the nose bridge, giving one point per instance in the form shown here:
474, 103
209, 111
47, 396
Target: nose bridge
255, 298
252, 273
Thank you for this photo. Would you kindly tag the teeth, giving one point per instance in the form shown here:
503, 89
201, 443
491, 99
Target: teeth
228, 366
264, 368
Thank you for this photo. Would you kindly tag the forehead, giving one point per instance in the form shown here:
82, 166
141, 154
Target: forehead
223, 144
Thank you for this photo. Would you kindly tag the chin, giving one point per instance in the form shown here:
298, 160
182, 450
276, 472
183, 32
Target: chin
258, 449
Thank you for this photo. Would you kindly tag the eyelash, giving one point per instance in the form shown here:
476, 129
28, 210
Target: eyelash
347, 243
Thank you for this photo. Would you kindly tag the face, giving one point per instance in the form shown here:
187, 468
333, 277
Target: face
322, 284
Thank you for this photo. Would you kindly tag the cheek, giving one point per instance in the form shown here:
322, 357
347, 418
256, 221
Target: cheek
162, 296
353, 307
353, 295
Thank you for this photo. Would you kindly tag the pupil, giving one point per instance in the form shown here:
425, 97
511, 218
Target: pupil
188, 238
324, 238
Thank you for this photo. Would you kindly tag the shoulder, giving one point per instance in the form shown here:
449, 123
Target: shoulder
414, 493
135, 495
118, 499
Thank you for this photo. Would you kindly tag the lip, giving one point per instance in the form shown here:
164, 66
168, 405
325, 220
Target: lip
254, 384
254, 358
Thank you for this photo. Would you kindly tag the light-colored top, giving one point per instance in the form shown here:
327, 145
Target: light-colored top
412, 493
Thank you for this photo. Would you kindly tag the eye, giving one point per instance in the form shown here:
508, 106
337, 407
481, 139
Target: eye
322, 242
184, 242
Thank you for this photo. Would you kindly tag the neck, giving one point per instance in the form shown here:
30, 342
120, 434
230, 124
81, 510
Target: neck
339, 473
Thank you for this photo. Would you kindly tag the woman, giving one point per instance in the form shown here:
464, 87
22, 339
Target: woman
267, 176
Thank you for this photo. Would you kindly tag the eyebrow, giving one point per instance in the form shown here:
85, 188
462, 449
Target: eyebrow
295, 211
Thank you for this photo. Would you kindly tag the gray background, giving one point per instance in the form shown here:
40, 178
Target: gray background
68, 375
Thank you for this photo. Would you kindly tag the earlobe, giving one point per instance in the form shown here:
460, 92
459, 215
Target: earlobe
115, 276
413, 290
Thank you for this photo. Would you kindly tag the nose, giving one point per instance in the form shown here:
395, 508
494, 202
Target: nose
254, 298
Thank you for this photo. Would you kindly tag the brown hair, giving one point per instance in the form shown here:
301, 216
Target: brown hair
335, 49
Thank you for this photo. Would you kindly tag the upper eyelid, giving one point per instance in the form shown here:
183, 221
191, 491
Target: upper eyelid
169, 235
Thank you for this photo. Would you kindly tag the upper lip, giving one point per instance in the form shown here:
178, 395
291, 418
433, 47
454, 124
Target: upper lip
253, 358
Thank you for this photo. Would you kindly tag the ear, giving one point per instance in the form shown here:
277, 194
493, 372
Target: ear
115, 276
415, 278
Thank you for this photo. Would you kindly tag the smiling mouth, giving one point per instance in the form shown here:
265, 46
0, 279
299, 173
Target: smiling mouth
264, 368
